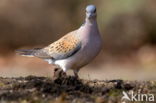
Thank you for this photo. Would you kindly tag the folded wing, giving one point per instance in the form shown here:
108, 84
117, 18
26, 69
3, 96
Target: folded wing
61, 49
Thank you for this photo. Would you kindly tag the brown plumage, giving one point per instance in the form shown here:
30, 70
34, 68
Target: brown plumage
59, 49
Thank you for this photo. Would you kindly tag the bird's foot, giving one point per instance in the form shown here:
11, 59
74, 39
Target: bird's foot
76, 74
59, 73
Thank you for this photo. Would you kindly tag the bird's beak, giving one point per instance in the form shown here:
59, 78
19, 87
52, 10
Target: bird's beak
89, 15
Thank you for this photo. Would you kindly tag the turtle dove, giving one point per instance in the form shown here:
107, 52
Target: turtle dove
74, 50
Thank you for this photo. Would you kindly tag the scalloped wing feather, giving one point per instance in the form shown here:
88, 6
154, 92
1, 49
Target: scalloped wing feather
63, 48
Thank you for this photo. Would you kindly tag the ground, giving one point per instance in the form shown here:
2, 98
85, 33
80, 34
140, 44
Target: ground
68, 89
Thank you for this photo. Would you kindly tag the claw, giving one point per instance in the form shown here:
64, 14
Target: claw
59, 73
76, 73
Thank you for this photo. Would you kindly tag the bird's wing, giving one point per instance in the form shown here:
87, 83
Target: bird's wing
63, 48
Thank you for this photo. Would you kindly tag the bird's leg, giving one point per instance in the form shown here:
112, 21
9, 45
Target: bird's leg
76, 73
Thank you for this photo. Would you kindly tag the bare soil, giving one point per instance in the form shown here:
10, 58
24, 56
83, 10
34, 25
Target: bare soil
68, 89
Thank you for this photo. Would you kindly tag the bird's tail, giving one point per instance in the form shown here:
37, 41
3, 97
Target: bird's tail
26, 52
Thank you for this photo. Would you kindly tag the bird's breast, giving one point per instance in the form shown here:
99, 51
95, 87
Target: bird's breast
91, 44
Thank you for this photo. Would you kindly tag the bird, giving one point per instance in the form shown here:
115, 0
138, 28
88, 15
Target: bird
75, 49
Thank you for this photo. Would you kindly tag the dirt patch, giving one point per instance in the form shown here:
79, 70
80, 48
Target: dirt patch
69, 89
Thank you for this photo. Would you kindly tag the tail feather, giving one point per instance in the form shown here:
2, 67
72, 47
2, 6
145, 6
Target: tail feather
26, 52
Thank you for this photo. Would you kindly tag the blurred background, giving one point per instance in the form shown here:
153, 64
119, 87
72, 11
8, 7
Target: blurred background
128, 28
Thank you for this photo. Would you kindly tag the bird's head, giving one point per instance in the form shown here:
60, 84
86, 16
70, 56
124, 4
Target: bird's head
90, 12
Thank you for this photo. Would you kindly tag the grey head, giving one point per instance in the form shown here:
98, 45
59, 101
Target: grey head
90, 12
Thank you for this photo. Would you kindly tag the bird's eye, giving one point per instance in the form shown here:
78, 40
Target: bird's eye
94, 11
